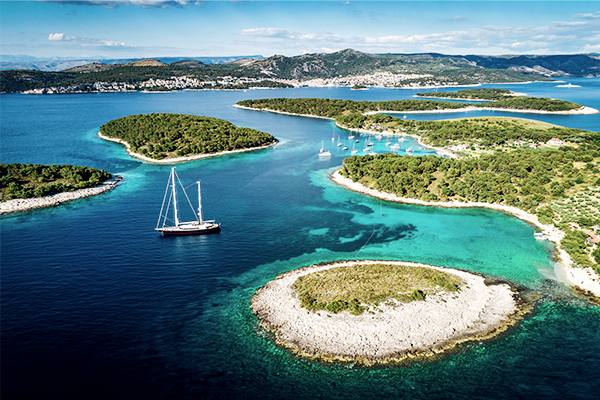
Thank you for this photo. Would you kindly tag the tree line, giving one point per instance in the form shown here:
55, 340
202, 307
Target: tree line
36, 180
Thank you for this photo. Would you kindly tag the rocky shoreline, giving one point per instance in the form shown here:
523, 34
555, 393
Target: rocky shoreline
584, 279
393, 332
17, 205
180, 159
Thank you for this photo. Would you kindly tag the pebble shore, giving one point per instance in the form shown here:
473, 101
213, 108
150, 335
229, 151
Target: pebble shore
392, 332
16, 205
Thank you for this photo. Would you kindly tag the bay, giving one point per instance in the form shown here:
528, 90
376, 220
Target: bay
96, 304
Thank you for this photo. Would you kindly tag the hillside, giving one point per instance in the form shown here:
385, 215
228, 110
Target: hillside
430, 68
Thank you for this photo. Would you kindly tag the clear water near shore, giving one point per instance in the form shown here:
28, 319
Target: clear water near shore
95, 304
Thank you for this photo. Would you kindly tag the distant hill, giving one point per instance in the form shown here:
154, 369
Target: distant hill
8, 62
352, 62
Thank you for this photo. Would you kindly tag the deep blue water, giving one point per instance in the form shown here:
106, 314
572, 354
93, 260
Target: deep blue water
96, 304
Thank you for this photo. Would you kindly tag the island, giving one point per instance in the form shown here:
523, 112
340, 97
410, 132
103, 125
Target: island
172, 138
376, 312
30, 186
332, 108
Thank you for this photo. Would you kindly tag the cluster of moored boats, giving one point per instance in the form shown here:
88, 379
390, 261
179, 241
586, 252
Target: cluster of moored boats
367, 146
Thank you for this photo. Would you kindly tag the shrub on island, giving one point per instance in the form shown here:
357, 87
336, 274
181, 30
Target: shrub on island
161, 136
358, 287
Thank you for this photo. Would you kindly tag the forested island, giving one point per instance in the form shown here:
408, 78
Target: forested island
35, 180
169, 136
472, 94
332, 108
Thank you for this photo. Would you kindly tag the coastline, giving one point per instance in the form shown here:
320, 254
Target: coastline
580, 111
585, 279
180, 159
390, 333
18, 205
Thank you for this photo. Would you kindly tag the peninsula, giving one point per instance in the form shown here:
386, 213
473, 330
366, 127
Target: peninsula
398, 310
542, 173
172, 138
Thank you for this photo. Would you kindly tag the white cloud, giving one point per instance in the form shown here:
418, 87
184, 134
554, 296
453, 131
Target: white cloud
86, 42
268, 32
56, 36
557, 37
117, 3
588, 16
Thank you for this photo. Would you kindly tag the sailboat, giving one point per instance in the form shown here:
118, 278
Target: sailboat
323, 153
354, 151
339, 143
197, 227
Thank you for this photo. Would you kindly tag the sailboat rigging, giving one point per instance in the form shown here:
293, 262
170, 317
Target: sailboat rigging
197, 227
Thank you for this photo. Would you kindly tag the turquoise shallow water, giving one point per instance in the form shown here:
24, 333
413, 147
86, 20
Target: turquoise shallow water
95, 304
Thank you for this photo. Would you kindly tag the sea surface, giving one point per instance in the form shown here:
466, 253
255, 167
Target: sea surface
96, 304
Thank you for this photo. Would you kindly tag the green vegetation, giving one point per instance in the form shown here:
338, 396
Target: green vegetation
582, 208
163, 136
503, 98
333, 108
471, 94
484, 132
575, 244
357, 287
524, 178
34, 180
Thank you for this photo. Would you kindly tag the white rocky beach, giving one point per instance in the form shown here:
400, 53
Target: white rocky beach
388, 333
16, 205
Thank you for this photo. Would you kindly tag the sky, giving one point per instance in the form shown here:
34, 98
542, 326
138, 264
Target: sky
50, 29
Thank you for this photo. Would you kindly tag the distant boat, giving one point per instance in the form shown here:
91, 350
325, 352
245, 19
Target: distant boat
339, 143
540, 236
395, 146
354, 151
366, 147
369, 143
323, 153
388, 143
345, 147
378, 137
351, 137
409, 149
333, 136
356, 141
197, 227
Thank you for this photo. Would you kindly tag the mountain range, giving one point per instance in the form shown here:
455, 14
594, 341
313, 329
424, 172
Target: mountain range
446, 69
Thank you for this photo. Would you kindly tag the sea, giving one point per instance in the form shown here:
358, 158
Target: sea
96, 304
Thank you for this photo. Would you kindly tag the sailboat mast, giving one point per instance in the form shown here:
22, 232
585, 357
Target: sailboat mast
174, 186
199, 204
